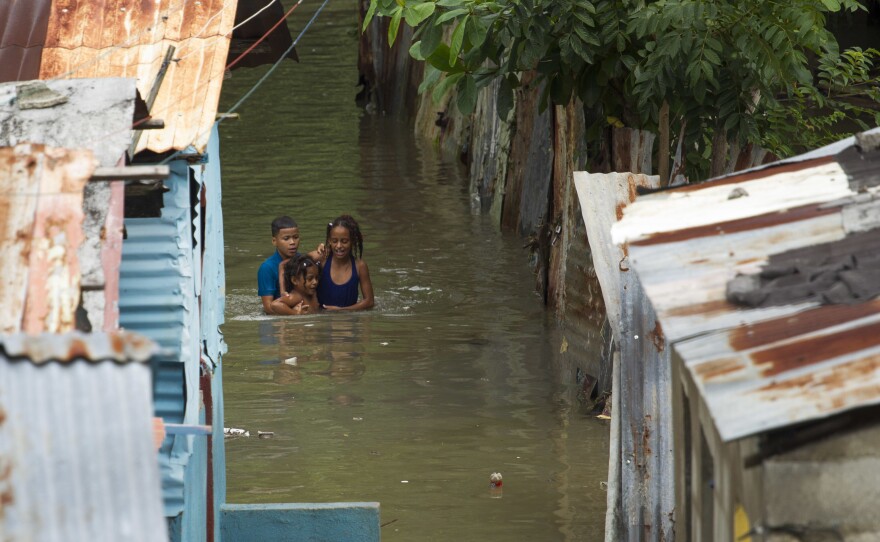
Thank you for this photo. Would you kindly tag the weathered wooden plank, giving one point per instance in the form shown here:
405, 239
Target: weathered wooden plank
143, 173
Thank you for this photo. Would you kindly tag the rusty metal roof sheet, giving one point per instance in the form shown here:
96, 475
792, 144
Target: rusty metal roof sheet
764, 367
41, 215
119, 346
129, 38
77, 459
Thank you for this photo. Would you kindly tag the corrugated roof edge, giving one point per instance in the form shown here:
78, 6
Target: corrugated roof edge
120, 346
828, 150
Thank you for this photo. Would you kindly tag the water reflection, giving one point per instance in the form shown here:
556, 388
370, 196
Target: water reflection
456, 374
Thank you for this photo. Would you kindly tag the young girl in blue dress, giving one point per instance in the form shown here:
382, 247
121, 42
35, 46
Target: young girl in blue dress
344, 270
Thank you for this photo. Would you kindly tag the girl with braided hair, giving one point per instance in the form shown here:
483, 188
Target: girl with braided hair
301, 274
343, 269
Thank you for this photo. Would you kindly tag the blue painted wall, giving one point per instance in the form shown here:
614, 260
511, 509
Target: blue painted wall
345, 522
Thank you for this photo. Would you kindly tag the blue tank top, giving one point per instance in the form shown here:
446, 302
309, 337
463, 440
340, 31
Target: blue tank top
338, 295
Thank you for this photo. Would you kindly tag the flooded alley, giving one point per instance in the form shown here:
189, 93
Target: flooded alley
457, 372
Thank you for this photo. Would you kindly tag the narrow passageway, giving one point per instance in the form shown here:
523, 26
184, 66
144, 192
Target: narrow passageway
454, 375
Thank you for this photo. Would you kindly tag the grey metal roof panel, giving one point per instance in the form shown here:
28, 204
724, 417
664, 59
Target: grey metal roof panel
23, 27
76, 449
763, 367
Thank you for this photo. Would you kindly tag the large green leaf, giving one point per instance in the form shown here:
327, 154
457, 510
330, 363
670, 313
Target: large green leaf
504, 100
444, 85
416, 13
395, 25
476, 31
451, 15
432, 75
369, 16
431, 36
456, 41
467, 94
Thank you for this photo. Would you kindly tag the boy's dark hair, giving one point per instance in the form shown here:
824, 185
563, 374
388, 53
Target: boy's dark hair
282, 223
297, 267
354, 230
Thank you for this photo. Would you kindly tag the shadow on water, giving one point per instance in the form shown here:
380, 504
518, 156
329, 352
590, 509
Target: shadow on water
456, 374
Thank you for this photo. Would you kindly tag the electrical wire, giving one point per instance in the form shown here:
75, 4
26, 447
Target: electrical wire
210, 79
227, 35
263, 78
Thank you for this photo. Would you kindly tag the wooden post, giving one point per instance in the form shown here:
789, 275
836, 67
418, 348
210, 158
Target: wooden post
151, 99
663, 155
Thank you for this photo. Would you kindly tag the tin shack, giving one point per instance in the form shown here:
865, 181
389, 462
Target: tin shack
765, 285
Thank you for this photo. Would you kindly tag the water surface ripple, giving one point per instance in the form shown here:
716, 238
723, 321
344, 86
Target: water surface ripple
454, 375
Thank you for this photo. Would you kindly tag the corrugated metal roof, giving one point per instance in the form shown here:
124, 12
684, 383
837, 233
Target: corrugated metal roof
765, 367
129, 38
77, 460
41, 194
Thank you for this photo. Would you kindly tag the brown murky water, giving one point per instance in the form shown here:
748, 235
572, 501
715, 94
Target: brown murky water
454, 375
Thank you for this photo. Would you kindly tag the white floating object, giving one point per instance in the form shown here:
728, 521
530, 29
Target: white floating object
265, 434
384, 343
404, 481
290, 361
235, 432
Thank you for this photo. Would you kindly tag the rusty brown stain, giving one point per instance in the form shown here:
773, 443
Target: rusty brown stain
708, 308
77, 349
766, 172
620, 207
711, 370
632, 187
657, 336
767, 220
787, 327
814, 350
843, 378
747, 261
697, 262
2, 416
117, 343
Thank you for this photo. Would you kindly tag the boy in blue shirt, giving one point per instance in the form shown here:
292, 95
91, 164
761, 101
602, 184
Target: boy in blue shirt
285, 239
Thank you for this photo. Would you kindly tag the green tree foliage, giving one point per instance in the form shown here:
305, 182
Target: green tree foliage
765, 72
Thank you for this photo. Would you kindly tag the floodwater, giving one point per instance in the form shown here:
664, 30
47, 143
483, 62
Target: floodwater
457, 373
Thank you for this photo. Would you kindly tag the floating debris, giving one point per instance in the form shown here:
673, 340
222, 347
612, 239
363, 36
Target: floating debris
291, 361
495, 485
235, 432
384, 343
265, 434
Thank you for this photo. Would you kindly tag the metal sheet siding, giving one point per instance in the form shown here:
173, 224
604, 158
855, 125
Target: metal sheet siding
76, 450
641, 492
213, 306
767, 367
41, 194
158, 299
213, 271
129, 38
